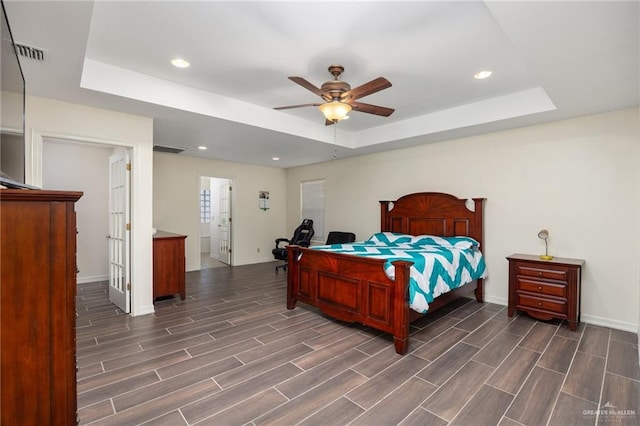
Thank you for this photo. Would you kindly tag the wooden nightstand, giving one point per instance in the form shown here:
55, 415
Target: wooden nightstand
545, 289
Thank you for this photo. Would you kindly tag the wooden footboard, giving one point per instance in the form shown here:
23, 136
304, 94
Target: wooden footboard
351, 289
356, 289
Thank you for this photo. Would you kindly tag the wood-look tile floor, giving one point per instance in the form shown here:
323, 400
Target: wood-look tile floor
232, 354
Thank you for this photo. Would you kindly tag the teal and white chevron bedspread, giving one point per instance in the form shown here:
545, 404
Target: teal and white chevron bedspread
440, 264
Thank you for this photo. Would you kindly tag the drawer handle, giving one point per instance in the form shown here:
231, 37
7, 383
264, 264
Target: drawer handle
540, 288
539, 303
539, 274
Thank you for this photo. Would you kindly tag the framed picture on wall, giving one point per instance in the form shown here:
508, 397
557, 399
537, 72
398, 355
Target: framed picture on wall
263, 197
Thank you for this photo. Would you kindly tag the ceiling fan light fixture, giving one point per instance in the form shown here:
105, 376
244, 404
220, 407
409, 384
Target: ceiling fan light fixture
335, 110
339, 98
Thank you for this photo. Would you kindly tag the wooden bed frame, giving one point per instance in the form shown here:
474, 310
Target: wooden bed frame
356, 289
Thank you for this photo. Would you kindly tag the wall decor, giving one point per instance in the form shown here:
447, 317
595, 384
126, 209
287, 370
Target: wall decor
263, 197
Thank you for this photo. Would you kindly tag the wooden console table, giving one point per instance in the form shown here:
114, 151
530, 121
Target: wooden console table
168, 264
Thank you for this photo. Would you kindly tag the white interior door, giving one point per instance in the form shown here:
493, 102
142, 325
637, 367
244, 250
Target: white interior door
224, 236
214, 229
119, 227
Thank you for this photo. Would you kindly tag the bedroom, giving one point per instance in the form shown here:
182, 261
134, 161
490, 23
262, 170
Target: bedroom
578, 177
546, 169
596, 157
556, 172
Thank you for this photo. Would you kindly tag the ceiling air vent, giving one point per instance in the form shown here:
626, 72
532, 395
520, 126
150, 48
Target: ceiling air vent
31, 52
169, 149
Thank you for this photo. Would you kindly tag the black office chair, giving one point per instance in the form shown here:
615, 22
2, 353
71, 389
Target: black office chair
338, 237
301, 237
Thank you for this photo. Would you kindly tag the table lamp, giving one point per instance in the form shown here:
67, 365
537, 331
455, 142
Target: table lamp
544, 235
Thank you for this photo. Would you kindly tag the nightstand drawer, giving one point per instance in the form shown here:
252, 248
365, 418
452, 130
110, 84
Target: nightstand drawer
550, 273
542, 287
543, 304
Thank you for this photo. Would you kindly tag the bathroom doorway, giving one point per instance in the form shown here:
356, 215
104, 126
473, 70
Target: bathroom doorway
215, 221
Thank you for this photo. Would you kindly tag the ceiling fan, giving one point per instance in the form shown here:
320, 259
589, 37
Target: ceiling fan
340, 98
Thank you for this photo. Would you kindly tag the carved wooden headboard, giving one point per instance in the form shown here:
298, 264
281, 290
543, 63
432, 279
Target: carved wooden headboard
433, 213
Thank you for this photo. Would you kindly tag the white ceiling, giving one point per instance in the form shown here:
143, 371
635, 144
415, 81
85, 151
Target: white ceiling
550, 60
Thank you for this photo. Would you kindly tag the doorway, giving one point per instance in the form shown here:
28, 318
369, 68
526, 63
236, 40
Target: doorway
215, 221
88, 167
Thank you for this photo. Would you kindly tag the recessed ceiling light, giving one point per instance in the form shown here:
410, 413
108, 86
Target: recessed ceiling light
275, 158
482, 74
180, 63
202, 148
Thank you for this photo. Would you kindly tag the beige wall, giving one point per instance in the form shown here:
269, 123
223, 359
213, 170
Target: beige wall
47, 118
83, 167
578, 178
176, 204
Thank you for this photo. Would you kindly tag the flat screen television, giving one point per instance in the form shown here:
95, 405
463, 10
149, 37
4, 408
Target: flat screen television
12, 110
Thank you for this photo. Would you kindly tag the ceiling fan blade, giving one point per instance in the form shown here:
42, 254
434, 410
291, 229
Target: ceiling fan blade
296, 106
367, 89
371, 109
304, 83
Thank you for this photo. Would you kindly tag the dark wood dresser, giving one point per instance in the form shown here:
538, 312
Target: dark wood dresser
168, 264
38, 291
545, 289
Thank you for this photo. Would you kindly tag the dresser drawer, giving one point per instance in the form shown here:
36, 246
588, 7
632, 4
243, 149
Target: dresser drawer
540, 303
542, 287
547, 272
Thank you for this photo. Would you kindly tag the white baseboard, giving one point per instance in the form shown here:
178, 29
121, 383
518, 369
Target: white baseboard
587, 319
256, 261
144, 310
92, 279
606, 322
497, 300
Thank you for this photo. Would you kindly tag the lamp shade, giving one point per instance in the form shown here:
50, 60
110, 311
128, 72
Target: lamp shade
335, 110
